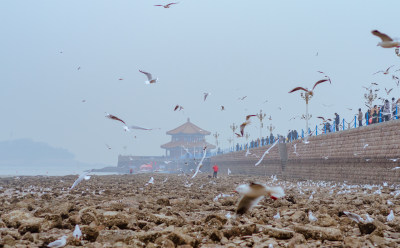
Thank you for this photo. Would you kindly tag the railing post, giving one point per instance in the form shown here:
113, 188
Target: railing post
325, 128
380, 116
367, 120
334, 126
316, 130
343, 123
302, 133
397, 117
355, 121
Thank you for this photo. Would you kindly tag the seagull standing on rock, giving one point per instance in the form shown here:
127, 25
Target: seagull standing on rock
59, 242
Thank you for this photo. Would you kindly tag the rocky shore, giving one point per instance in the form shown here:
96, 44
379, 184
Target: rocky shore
177, 211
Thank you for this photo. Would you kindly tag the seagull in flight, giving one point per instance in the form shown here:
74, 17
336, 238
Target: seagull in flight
388, 91
113, 117
384, 72
222, 108
166, 6
178, 107
252, 193
244, 124
150, 79
386, 42
206, 95
309, 91
242, 98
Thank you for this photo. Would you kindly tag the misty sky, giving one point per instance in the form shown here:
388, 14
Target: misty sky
259, 49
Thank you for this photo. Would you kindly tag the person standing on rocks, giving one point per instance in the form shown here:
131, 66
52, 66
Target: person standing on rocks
215, 168
360, 117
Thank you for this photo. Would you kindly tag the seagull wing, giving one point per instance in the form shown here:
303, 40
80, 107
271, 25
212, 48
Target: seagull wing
149, 76
249, 116
113, 117
140, 128
172, 4
298, 88
80, 178
384, 37
320, 81
357, 218
246, 202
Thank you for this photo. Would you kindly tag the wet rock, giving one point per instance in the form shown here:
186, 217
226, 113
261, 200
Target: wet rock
88, 215
114, 236
366, 228
215, 235
163, 242
298, 239
89, 233
320, 233
163, 202
277, 233
218, 217
114, 218
182, 239
352, 242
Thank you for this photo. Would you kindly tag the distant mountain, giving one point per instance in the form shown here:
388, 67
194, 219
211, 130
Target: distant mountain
26, 149
27, 157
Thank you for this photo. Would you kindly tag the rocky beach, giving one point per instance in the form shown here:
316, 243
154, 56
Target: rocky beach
177, 211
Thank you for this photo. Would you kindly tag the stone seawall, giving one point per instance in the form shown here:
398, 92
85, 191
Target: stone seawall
360, 155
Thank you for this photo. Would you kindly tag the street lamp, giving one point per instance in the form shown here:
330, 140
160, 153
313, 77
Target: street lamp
233, 127
216, 135
230, 142
270, 128
307, 96
261, 117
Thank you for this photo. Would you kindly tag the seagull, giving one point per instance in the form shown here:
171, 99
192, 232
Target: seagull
108, 147
229, 172
388, 91
252, 193
166, 6
266, 152
178, 107
384, 72
365, 146
150, 79
386, 42
78, 68
395, 168
242, 98
277, 216
83, 100
390, 217
59, 242
113, 117
295, 149
357, 218
311, 217
206, 95
141, 128
244, 124
151, 181
120, 79
306, 90
80, 178
77, 232
167, 162
222, 108
323, 119
201, 162
247, 152
393, 159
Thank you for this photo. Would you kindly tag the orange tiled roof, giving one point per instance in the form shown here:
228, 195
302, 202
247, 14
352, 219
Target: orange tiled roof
188, 128
186, 144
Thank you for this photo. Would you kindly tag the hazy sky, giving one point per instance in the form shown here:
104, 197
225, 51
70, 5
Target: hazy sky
259, 49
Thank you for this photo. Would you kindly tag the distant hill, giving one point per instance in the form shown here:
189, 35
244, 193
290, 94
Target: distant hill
27, 157
27, 149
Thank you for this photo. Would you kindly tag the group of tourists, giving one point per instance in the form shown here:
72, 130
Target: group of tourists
386, 112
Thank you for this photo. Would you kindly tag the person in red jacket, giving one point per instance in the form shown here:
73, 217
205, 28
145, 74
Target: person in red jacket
215, 168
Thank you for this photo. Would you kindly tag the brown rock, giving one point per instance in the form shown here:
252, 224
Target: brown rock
164, 242
114, 236
89, 233
182, 239
320, 233
114, 218
298, 239
215, 235
220, 218
147, 237
352, 242
366, 228
277, 233
163, 202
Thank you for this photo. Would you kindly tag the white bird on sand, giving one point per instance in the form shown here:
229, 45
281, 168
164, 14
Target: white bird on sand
151, 181
365, 146
396, 168
252, 193
277, 216
386, 42
311, 217
368, 219
167, 162
150, 79
80, 178
77, 232
393, 159
59, 242
390, 217
229, 171
389, 202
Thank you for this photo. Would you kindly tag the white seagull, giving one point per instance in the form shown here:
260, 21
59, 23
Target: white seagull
150, 79
77, 232
80, 178
201, 162
59, 242
311, 217
386, 42
390, 217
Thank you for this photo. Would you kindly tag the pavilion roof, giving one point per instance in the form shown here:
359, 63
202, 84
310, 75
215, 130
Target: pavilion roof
188, 128
186, 144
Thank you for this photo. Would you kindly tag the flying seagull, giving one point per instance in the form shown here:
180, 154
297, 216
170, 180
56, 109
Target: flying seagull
201, 162
388, 91
384, 72
309, 91
386, 42
178, 107
80, 178
242, 98
244, 124
166, 6
206, 95
150, 79
253, 192
113, 117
